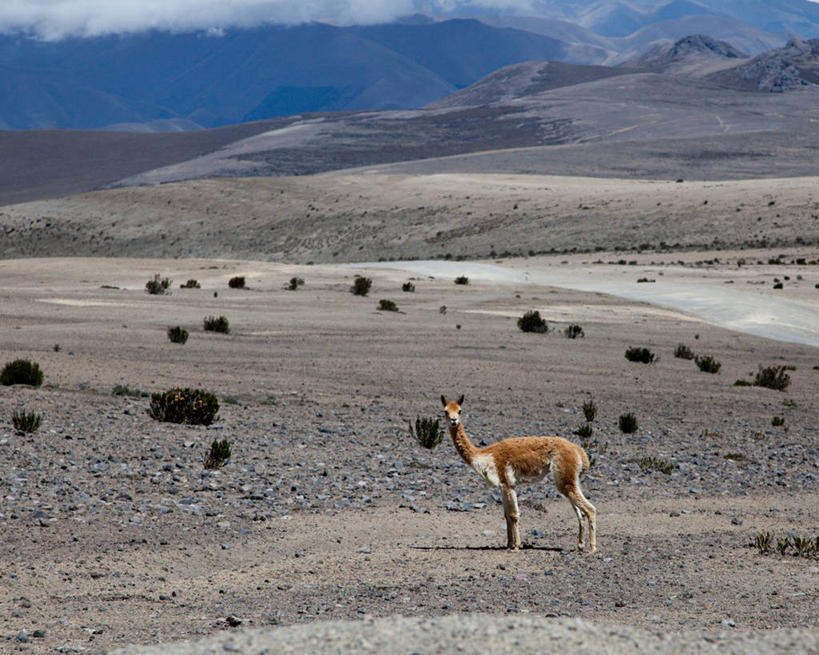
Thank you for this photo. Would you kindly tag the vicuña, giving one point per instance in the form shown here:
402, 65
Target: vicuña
525, 459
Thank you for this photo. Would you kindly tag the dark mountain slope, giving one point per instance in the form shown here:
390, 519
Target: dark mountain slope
462, 51
250, 74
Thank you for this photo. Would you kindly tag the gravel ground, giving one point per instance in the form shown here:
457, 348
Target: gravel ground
113, 533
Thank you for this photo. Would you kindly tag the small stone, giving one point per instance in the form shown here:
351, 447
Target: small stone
232, 621
736, 521
22, 637
728, 623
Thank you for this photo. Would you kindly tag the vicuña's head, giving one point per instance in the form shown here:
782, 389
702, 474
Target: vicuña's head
452, 410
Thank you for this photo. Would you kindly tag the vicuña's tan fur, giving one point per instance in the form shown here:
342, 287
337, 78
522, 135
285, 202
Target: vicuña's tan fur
526, 459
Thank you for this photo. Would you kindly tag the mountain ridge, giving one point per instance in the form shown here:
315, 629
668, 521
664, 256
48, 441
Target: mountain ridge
784, 69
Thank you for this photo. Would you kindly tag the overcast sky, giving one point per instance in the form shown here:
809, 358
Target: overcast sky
56, 18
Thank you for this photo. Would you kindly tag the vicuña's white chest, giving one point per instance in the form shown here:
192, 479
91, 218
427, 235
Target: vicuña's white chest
486, 468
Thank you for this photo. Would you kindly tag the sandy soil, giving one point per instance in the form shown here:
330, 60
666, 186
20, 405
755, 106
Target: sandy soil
113, 532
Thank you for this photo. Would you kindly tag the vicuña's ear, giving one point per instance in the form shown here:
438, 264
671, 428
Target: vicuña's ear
461, 400
443, 400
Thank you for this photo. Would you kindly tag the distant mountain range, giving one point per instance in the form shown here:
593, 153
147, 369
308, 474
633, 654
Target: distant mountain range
250, 74
674, 115
161, 81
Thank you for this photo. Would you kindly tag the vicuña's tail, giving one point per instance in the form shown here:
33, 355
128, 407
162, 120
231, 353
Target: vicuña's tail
585, 458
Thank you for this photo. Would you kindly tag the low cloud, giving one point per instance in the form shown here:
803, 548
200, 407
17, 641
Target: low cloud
54, 19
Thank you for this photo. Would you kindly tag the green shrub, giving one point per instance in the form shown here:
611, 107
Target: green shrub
589, 410
772, 377
683, 352
427, 431
637, 354
655, 464
805, 546
743, 383
361, 286
707, 363
628, 423
532, 322
190, 406
294, 284
409, 287
178, 334
219, 454
584, 431
213, 324
763, 542
801, 546
462, 279
158, 285
21, 371
25, 422
190, 284
777, 421
237, 282
574, 332
387, 306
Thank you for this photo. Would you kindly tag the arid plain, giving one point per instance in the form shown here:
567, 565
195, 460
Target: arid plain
113, 533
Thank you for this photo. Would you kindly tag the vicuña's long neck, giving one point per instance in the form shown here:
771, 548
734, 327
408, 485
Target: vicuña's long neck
462, 443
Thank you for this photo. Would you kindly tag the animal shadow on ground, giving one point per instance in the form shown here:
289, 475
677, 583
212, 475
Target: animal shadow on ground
555, 549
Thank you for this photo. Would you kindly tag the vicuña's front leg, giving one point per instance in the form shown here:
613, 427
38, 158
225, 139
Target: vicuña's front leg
510, 539
510, 506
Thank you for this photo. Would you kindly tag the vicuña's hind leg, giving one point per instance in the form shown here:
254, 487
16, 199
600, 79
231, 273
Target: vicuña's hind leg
581, 505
